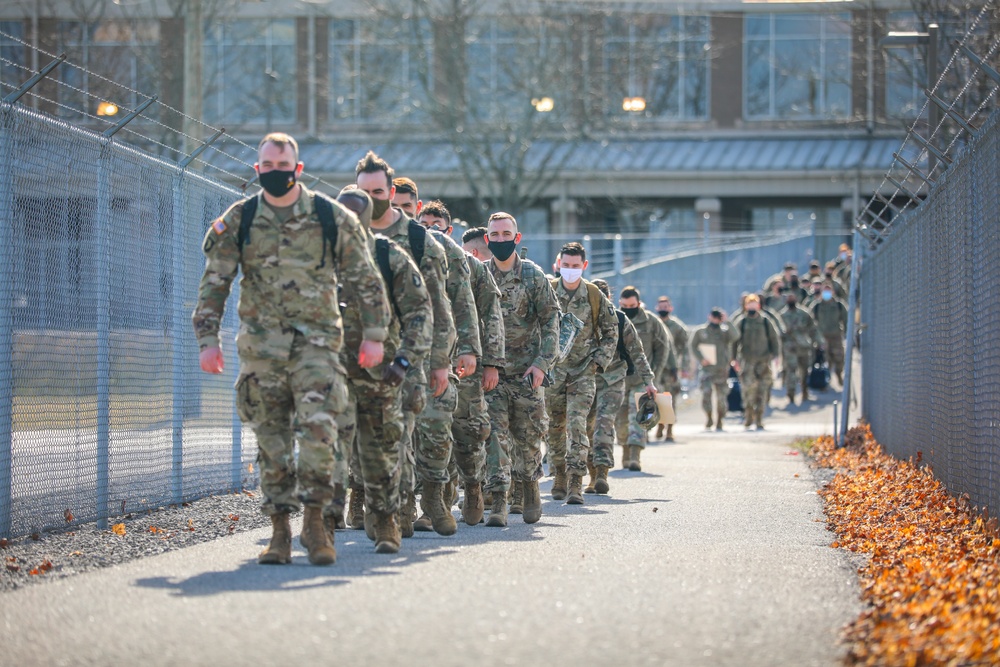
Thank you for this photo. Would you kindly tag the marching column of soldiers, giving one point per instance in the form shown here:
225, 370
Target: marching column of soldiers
405, 366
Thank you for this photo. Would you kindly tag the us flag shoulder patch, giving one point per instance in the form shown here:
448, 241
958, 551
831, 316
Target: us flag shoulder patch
219, 226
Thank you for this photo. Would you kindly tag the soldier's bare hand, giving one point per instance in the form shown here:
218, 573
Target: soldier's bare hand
211, 360
704, 362
439, 381
491, 378
536, 376
466, 365
651, 389
370, 354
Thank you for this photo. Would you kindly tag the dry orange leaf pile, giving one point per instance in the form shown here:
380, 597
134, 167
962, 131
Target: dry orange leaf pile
933, 579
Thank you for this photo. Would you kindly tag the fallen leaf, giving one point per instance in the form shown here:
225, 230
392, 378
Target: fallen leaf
250, 467
76, 553
656, 509
13, 567
234, 517
792, 452
45, 566
154, 530
795, 475
118, 529
36, 536
191, 525
4, 543
69, 516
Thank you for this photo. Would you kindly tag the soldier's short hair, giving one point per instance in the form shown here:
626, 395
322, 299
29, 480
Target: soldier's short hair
436, 208
502, 215
405, 186
602, 285
371, 164
474, 234
629, 292
280, 139
717, 312
663, 297
575, 249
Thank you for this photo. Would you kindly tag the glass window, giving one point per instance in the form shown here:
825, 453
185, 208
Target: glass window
797, 66
13, 69
377, 72
249, 73
663, 60
905, 70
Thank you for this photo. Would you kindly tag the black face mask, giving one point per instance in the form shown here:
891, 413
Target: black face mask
791, 305
277, 183
752, 313
631, 312
664, 313
714, 324
502, 250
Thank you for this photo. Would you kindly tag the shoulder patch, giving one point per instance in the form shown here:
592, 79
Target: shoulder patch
209, 243
416, 279
219, 226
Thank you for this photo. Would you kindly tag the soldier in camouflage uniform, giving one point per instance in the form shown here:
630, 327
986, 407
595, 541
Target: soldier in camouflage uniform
831, 314
670, 379
756, 347
798, 343
514, 393
374, 176
374, 418
628, 359
291, 385
434, 433
720, 336
657, 344
574, 380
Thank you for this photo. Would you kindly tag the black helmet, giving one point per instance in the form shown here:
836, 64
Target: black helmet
647, 414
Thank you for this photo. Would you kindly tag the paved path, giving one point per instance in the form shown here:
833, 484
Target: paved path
716, 554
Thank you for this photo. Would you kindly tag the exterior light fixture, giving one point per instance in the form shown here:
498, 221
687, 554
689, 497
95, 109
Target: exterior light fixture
107, 109
543, 104
634, 104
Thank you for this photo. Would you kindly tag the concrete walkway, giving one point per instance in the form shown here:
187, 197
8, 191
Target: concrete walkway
715, 554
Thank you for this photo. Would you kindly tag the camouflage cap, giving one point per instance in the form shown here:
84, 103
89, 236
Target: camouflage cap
359, 202
647, 413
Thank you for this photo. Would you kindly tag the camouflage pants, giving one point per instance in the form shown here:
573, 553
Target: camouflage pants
471, 428
284, 401
796, 363
373, 425
432, 437
568, 401
835, 352
601, 421
717, 379
517, 421
628, 431
413, 396
755, 380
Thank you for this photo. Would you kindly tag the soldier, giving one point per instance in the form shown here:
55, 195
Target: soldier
657, 344
374, 176
830, 314
406, 197
755, 348
798, 342
293, 246
571, 394
628, 359
435, 439
815, 271
785, 276
775, 298
514, 393
670, 380
373, 421
711, 345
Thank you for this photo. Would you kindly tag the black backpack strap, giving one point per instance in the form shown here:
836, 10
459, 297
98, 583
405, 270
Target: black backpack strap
622, 352
324, 211
418, 238
382, 259
247, 214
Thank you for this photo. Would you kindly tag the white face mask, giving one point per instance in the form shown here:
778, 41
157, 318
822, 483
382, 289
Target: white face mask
570, 276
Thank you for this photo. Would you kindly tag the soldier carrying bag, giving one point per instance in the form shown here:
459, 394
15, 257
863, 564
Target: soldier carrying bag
819, 374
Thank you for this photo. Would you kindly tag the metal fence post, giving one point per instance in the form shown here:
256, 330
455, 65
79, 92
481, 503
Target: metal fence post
619, 259
6, 329
177, 341
102, 304
852, 305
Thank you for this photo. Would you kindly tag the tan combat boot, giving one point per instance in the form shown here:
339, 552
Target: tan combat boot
626, 457
498, 511
805, 389
517, 501
315, 539
407, 508
634, 465
356, 508
279, 550
387, 538
575, 495
601, 483
441, 518
559, 484
593, 477
659, 431
472, 506
670, 433
532, 502
450, 494
424, 523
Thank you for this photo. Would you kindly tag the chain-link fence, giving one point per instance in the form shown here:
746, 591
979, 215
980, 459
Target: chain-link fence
103, 409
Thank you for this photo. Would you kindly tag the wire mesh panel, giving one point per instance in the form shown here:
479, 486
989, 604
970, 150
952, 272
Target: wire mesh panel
106, 408
931, 342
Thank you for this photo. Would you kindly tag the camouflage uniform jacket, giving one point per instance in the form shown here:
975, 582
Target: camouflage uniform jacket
800, 330
831, 316
410, 332
530, 316
434, 268
588, 348
721, 336
656, 341
757, 339
491, 331
458, 287
679, 338
289, 280
616, 370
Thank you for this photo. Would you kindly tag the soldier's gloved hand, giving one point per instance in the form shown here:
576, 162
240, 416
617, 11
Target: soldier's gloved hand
395, 371
211, 360
466, 365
